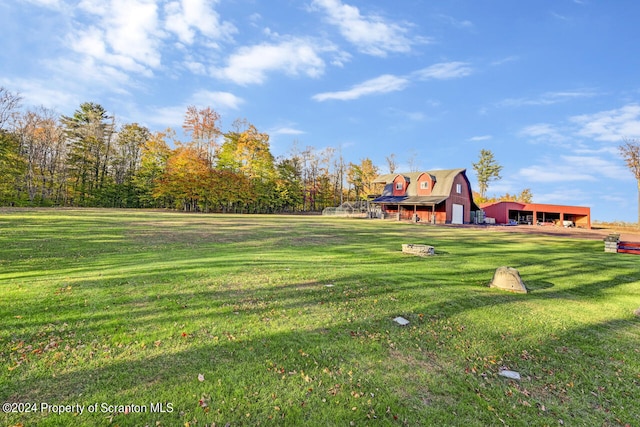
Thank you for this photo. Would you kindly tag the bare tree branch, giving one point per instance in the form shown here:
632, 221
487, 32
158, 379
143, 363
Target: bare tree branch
9, 102
630, 152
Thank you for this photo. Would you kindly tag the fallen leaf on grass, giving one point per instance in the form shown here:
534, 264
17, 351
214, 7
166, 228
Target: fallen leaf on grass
204, 402
200, 377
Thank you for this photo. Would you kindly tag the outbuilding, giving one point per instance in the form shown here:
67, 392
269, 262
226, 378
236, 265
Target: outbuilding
537, 213
437, 196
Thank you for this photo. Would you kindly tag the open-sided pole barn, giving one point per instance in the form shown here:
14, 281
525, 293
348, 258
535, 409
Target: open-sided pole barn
538, 213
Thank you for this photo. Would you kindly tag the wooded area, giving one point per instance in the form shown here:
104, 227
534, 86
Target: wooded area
88, 160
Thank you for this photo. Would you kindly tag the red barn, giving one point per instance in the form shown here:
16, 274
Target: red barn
440, 196
537, 213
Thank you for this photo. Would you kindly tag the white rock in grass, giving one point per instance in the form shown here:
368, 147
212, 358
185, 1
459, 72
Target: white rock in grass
401, 321
508, 279
509, 374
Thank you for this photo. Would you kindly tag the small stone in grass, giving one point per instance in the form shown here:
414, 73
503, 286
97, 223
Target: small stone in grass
401, 321
509, 374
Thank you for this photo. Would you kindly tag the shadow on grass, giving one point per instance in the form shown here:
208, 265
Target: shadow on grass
537, 285
248, 373
260, 324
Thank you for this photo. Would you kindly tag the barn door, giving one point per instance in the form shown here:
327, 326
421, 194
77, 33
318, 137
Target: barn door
457, 214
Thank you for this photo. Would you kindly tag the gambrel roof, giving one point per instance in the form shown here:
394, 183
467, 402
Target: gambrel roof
442, 186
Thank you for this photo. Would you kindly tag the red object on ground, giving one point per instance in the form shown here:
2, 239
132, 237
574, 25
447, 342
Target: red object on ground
629, 248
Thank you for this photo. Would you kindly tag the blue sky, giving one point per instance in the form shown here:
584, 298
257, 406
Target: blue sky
550, 86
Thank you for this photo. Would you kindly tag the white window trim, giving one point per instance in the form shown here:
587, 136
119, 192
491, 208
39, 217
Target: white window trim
424, 185
459, 188
399, 186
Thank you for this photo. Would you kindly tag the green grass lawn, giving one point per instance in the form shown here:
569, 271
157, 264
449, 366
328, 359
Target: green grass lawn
287, 320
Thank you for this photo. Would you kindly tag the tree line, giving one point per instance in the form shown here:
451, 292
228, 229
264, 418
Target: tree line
88, 160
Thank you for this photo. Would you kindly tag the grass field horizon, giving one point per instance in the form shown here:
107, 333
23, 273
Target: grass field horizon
164, 318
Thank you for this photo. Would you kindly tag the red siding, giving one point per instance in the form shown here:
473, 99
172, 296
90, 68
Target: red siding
463, 198
443, 211
425, 177
581, 215
400, 179
423, 212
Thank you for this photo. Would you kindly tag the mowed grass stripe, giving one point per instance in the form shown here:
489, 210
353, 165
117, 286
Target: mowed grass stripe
289, 320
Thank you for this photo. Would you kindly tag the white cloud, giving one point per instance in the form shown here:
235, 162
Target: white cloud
133, 35
371, 34
539, 129
125, 34
51, 4
170, 116
458, 23
555, 173
444, 71
505, 60
559, 16
383, 84
132, 31
567, 168
42, 93
195, 67
122, 35
565, 195
610, 126
392, 83
219, 101
416, 116
255, 18
173, 115
250, 64
544, 133
606, 150
598, 165
87, 70
286, 131
548, 98
480, 138
186, 18
95, 7
340, 58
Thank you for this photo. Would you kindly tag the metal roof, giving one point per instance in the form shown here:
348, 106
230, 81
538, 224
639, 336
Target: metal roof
414, 200
442, 179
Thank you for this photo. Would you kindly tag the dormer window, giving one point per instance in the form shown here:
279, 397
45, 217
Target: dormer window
424, 185
399, 186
